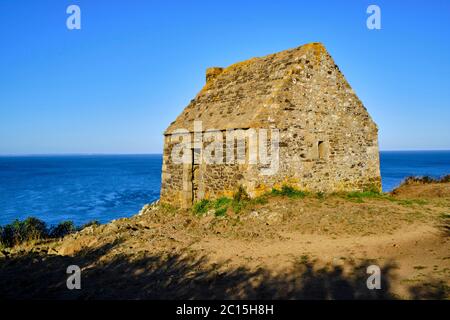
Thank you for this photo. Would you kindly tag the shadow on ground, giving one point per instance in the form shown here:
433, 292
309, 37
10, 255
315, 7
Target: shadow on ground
147, 276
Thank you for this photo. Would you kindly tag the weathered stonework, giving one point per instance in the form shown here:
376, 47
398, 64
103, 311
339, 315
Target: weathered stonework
328, 142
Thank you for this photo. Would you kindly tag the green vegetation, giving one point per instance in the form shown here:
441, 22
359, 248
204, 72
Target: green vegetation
220, 206
62, 229
20, 231
222, 202
220, 212
359, 196
241, 200
289, 191
33, 229
201, 207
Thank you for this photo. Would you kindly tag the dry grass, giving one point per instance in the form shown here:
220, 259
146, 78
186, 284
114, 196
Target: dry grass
283, 229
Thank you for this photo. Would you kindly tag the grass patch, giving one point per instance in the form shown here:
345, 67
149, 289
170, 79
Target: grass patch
168, 208
259, 200
363, 194
359, 196
220, 206
201, 207
221, 212
288, 191
405, 202
445, 223
222, 202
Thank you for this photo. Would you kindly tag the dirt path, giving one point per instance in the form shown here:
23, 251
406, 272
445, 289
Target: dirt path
419, 252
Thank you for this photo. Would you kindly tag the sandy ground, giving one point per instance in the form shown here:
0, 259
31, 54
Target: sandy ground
309, 248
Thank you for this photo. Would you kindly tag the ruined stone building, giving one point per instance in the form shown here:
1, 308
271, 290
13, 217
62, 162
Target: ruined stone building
326, 139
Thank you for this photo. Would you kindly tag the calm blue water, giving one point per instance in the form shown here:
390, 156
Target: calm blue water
397, 165
103, 188
78, 188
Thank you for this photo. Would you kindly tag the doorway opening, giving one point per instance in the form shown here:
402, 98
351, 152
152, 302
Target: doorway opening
195, 173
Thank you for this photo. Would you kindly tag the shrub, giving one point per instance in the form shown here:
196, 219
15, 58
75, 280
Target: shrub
425, 180
34, 229
62, 229
201, 207
422, 180
7, 238
20, 231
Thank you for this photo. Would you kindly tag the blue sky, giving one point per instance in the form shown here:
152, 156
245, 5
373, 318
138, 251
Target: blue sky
116, 84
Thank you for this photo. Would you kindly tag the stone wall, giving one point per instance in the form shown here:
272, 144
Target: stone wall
212, 180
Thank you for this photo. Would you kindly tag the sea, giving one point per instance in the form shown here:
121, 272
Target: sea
83, 188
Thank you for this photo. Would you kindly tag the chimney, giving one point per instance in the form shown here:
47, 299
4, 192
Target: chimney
212, 73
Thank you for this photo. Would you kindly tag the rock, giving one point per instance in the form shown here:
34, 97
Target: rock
111, 227
254, 214
88, 230
338, 262
149, 207
52, 251
273, 217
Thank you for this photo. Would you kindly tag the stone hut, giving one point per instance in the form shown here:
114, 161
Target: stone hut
295, 106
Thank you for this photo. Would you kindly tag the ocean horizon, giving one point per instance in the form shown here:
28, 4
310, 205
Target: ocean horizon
104, 187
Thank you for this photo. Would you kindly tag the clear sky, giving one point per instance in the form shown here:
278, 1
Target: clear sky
116, 84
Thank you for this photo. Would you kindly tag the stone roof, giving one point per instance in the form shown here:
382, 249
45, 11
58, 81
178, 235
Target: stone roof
250, 94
